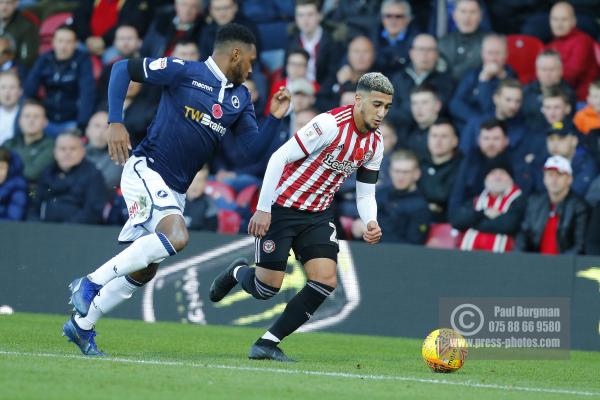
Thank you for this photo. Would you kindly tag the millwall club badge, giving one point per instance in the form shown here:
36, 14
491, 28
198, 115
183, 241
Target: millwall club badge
217, 111
235, 101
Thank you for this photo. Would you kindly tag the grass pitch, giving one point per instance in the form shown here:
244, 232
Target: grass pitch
177, 362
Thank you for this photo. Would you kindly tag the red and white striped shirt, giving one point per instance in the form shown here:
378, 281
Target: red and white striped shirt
334, 149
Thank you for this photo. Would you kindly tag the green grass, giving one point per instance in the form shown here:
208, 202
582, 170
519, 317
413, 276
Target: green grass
176, 362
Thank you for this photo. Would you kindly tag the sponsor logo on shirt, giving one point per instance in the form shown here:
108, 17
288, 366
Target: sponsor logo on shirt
343, 167
203, 86
317, 128
204, 119
159, 63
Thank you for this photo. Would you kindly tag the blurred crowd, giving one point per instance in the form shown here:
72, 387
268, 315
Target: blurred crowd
492, 142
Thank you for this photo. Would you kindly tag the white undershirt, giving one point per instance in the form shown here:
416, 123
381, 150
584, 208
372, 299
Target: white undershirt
310, 45
7, 123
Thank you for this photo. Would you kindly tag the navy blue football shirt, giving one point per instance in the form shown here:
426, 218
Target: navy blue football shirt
197, 108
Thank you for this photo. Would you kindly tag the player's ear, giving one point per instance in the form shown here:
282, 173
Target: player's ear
236, 54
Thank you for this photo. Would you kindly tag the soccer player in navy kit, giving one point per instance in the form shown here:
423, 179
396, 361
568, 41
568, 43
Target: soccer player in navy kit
201, 102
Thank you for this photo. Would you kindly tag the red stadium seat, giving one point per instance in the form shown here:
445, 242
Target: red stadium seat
229, 221
441, 236
49, 26
96, 67
220, 190
522, 52
248, 198
346, 223
597, 52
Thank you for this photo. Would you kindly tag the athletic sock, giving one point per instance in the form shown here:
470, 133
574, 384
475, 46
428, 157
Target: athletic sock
142, 252
246, 276
302, 306
111, 295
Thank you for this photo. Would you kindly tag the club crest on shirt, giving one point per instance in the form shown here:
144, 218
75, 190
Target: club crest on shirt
235, 101
269, 246
217, 111
317, 128
159, 63
162, 194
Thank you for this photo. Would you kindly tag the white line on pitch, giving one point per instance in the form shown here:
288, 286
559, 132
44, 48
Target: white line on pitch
305, 372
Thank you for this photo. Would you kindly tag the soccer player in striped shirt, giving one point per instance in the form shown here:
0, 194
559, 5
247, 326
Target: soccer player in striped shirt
294, 208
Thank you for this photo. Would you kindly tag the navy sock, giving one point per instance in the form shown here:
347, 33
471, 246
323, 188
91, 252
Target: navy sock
246, 276
302, 306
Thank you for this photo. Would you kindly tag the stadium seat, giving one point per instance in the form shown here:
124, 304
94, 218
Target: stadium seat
229, 221
248, 198
220, 190
49, 26
522, 52
96, 67
442, 236
346, 223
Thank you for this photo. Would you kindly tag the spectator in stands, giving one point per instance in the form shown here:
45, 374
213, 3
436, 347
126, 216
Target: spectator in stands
576, 49
8, 61
347, 94
589, 117
462, 49
507, 101
200, 210
555, 221
13, 188
66, 75
440, 168
96, 150
223, 12
421, 70
473, 96
492, 145
303, 117
10, 94
360, 60
257, 99
563, 141
296, 66
555, 108
394, 36
96, 21
549, 73
127, 44
72, 189
303, 94
24, 32
187, 50
425, 107
490, 220
169, 26
33, 147
308, 34
403, 211
390, 141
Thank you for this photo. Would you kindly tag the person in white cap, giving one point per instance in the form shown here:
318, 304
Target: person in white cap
555, 221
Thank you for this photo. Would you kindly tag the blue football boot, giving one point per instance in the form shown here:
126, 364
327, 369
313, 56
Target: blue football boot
83, 292
82, 338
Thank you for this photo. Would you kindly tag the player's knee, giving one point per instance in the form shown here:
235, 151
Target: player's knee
145, 275
173, 227
179, 239
327, 279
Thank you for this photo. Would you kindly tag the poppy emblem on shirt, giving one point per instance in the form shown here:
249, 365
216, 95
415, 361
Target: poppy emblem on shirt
235, 101
217, 111
359, 154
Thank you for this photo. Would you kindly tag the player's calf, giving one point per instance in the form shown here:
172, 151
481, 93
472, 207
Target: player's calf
259, 289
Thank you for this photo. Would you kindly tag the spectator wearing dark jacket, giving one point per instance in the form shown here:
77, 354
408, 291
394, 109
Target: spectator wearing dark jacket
524, 142
222, 12
549, 73
420, 71
23, 30
169, 26
10, 94
66, 75
13, 187
576, 49
393, 37
440, 167
490, 220
96, 150
555, 221
200, 209
493, 144
473, 95
462, 49
72, 189
32, 146
403, 211
96, 22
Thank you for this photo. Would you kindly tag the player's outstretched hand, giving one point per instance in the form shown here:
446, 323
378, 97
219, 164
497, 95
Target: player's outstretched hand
373, 233
281, 102
118, 143
259, 224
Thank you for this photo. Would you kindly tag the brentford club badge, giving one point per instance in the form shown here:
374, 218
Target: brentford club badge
268, 246
217, 111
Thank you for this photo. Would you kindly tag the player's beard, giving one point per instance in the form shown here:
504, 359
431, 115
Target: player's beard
238, 75
367, 123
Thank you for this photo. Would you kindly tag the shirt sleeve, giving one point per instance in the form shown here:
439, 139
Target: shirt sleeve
164, 71
318, 133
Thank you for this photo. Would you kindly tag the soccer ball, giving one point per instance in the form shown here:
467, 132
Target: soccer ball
444, 350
